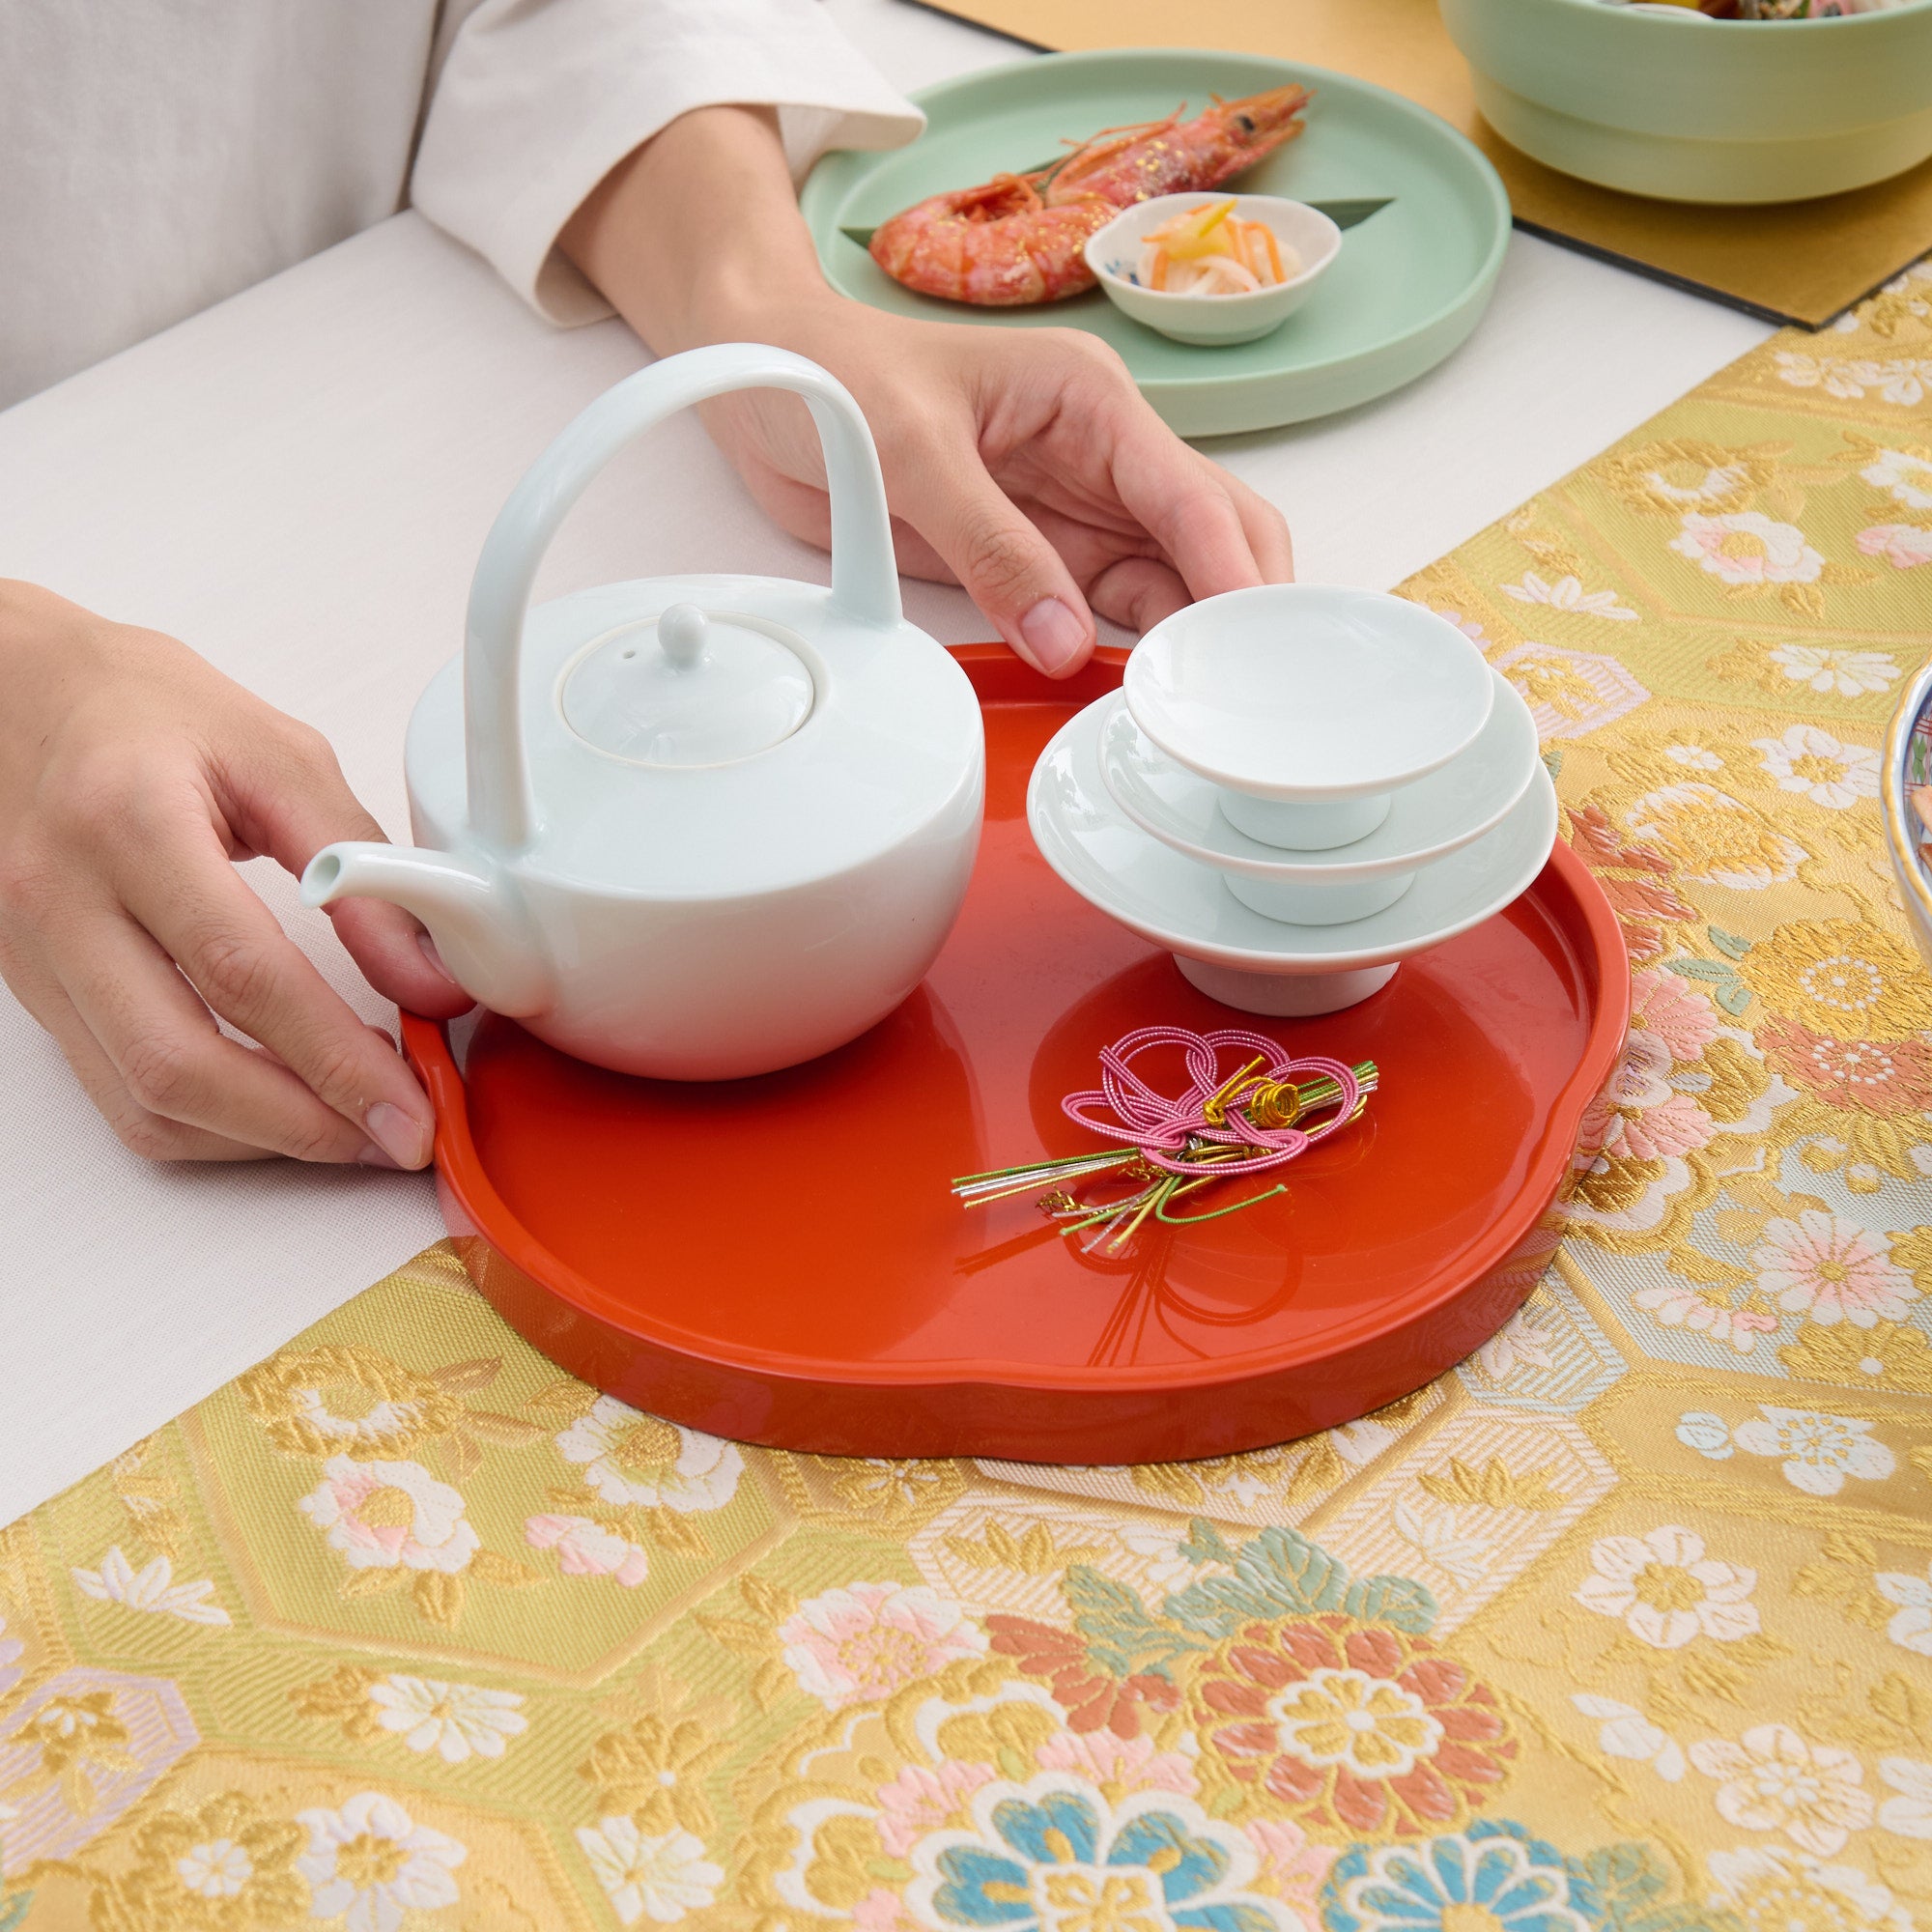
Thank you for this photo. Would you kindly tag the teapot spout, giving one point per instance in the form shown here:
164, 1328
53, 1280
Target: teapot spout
476, 916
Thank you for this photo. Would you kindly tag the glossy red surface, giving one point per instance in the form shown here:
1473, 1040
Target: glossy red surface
779, 1260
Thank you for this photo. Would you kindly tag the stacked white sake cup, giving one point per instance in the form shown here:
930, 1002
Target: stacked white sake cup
1297, 788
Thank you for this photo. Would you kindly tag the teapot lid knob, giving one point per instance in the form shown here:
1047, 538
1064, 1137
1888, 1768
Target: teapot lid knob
717, 688
681, 633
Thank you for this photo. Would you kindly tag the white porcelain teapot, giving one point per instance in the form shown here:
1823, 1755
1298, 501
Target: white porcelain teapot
694, 827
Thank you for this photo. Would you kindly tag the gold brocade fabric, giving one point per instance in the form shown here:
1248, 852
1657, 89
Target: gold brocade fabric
1625, 1625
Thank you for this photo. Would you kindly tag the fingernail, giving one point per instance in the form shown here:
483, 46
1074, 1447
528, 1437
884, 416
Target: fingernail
1054, 635
406, 1141
435, 957
372, 1156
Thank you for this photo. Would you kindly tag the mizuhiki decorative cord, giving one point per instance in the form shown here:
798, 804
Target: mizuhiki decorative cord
1217, 1128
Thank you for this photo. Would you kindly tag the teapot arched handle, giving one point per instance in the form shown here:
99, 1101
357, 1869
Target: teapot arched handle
865, 580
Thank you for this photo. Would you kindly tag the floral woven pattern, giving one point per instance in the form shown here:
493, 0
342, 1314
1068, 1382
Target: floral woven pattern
1623, 1626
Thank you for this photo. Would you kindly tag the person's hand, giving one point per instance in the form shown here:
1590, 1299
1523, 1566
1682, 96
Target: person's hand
1022, 464
132, 775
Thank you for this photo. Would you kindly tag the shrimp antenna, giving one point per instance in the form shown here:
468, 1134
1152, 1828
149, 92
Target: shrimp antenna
1090, 153
1127, 130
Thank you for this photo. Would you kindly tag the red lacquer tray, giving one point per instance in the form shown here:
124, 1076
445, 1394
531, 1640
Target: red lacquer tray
779, 1260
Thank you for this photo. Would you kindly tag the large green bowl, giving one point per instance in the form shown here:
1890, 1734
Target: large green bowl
1687, 108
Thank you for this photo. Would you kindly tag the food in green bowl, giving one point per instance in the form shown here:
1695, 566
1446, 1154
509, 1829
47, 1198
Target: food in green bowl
1773, 10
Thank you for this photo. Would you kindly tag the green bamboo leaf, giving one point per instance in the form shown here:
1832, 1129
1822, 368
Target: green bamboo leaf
1349, 213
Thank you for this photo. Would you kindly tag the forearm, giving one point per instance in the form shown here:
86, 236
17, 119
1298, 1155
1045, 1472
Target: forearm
695, 237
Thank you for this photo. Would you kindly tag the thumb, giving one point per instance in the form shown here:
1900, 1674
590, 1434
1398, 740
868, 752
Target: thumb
1006, 565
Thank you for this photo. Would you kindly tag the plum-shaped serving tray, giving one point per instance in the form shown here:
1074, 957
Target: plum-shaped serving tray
779, 1260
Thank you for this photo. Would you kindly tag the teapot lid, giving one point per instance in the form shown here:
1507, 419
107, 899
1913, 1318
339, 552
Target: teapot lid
889, 739
689, 688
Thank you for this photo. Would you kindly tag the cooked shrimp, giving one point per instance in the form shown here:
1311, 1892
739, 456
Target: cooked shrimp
1017, 238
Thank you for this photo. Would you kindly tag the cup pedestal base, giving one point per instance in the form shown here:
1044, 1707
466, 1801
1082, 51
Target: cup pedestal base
1305, 825
1283, 995
1318, 906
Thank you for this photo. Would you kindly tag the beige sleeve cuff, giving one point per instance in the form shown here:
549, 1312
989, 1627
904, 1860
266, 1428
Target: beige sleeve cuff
537, 102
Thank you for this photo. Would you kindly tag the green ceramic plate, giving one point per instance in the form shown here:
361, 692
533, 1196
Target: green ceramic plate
1413, 280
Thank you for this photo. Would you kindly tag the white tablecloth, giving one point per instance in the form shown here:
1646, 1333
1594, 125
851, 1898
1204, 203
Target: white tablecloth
296, 482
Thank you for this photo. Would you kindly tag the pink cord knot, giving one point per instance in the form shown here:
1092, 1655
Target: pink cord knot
1215, 1106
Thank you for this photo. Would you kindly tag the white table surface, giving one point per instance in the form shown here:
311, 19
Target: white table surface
296, 483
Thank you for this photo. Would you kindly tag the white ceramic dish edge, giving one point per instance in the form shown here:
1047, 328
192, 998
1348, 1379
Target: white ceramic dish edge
1509, 719
1077, 755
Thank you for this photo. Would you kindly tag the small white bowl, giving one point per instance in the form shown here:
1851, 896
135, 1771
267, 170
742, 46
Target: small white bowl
1211, 321
1308, 704
1436, 815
